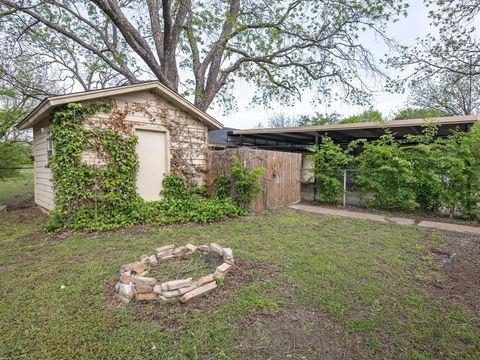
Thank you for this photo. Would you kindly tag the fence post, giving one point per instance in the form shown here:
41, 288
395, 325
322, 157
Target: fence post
314, 177
344, 187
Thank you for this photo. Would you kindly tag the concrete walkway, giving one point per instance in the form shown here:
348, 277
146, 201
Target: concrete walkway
381, 218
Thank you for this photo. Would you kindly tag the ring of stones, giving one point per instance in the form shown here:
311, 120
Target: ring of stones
135, 283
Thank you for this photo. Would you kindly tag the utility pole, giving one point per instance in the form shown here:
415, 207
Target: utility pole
470, 98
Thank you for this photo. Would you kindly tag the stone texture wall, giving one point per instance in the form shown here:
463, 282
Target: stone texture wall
188, 136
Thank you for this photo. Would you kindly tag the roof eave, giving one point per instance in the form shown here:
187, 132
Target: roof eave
43, 109
35, 116
449, 120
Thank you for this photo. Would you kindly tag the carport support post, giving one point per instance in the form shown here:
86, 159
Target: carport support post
314, 177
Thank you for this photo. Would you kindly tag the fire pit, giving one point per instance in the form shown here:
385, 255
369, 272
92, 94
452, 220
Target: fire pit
136, 280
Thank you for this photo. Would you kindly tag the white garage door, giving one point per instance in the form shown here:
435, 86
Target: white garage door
153, 161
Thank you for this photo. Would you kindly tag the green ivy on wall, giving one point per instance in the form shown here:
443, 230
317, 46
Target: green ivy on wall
101, 197
83, 192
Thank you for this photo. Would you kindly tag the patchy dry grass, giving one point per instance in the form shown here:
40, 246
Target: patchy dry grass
194, 266
17, 190
306, 286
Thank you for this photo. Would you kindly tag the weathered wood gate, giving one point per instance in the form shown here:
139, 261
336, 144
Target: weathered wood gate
281, 182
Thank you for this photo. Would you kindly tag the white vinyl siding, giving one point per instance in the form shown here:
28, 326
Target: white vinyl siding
44, 193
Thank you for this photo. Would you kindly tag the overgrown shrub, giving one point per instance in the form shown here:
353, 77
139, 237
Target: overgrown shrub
245, 183
170, 210
222, 186
175, 187
384, 177
329, 163
424, 156
241, 184
460, 172
417, 173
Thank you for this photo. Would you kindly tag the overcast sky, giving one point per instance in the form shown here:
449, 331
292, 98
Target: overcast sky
405, 31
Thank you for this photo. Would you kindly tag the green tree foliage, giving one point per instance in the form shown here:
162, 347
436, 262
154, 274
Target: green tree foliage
282, 120
319, 119
8, 118
329, 162
384, 176
450, 94
15, 151
15, 101
280, 47
13, 155
417, 113
417, 173
366, 116
450, 49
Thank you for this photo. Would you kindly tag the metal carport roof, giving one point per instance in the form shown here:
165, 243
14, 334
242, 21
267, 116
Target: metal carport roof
303, 136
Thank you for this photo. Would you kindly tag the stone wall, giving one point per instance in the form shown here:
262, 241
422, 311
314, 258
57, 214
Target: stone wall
188, 136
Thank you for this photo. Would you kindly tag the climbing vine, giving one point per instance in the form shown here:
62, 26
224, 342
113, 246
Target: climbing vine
94, 167
242, 185
86, 192
418, 173
184, 138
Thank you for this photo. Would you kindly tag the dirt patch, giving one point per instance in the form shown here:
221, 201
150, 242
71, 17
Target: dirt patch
193, 265
22, 215
167, 316
30, 216
299, 333
459, 263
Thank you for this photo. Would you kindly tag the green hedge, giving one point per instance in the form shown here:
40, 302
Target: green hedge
418, 173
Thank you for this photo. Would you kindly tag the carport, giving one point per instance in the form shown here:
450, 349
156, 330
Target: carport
304, 138
295, 138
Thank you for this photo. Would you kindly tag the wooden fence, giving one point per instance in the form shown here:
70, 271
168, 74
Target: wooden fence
281, 182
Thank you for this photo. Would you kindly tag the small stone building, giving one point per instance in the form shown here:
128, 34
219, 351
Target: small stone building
172, 135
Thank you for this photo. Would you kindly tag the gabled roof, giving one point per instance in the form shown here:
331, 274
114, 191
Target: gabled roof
44, 109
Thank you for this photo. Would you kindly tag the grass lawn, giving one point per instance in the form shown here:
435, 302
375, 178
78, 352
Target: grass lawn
305, 286
17, 190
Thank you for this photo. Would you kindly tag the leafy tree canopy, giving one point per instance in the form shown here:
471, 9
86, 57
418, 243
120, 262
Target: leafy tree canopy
366, 116
319, 119
452, 48
449, 93
200, 48
417, 113
282, 120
